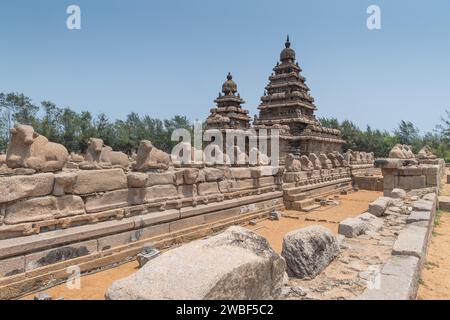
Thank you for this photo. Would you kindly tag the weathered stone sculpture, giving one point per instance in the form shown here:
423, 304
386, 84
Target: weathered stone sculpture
349, 156
407, 150
334, 161
307, 165
240, 157
28, 149
98, 153
149, 157
325, 162
401, 152
292, 164
340, 158
261, 158
74, 157
426, 153
315, 161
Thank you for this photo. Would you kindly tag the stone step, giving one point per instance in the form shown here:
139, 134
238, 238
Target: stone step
444, 203
311, 207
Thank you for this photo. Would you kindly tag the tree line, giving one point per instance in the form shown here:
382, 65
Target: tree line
73, 129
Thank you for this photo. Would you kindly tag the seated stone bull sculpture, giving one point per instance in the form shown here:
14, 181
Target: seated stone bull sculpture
307, 165
325, 162
426, 153
291, 164
315, 161
97, 152
150, 157
28, 149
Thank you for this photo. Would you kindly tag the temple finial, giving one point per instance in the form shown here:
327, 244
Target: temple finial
229, 76
288, 43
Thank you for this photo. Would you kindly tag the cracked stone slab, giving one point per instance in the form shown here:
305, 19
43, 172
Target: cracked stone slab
411, 241
418, 216
398, 280
423, 205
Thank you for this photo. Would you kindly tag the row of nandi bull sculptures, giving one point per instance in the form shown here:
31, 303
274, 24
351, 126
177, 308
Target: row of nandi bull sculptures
28, 149
403, 151
327, 161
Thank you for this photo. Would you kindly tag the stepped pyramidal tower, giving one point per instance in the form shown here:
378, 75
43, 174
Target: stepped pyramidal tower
228, 114
288, 107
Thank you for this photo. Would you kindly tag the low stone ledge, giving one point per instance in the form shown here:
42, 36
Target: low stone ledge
411, 241
398, 280
419, 216
92, 181
352, 227
444, 202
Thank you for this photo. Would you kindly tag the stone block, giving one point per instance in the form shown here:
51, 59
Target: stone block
208, 269
208, 188
187, 191
160, 178
266, 181
213, 174
161, 192
64, 183
398, 194
12, 266
118, 239
13, 188
444, 203
411, 182
241, 173
410, 171
432, 180
423, 205
91, 181
352, 227
418, 216
308, 251
52, 256
398, 280
389, 181
45, 208
137, 180
115, 199
411, 241
379, 206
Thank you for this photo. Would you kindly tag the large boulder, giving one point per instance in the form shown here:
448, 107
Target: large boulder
236, 264
308, 251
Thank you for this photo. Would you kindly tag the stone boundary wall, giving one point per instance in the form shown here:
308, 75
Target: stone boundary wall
51, 217
409, 174
400, 274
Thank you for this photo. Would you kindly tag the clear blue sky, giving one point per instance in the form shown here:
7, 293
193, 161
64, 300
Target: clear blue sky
170, 57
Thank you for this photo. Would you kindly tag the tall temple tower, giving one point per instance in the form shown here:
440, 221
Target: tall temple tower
229, 114
287, 106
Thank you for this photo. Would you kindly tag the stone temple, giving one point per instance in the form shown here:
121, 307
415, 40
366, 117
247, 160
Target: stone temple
288, 106
104, 208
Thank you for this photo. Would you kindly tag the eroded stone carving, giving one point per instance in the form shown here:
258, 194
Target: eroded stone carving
292, 164
424, 153
28, 149
306, 164
315, 161
149, 157
100, 154
325, 162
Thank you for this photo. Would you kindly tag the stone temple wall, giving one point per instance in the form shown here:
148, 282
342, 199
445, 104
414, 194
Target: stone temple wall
47, 218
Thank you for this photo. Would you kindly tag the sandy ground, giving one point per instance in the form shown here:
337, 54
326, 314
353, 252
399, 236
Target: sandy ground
94, 286
435, 278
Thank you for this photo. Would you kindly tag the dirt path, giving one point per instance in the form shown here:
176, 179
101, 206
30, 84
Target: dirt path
435, 279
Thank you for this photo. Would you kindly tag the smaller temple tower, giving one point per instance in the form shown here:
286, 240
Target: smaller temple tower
229, 114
